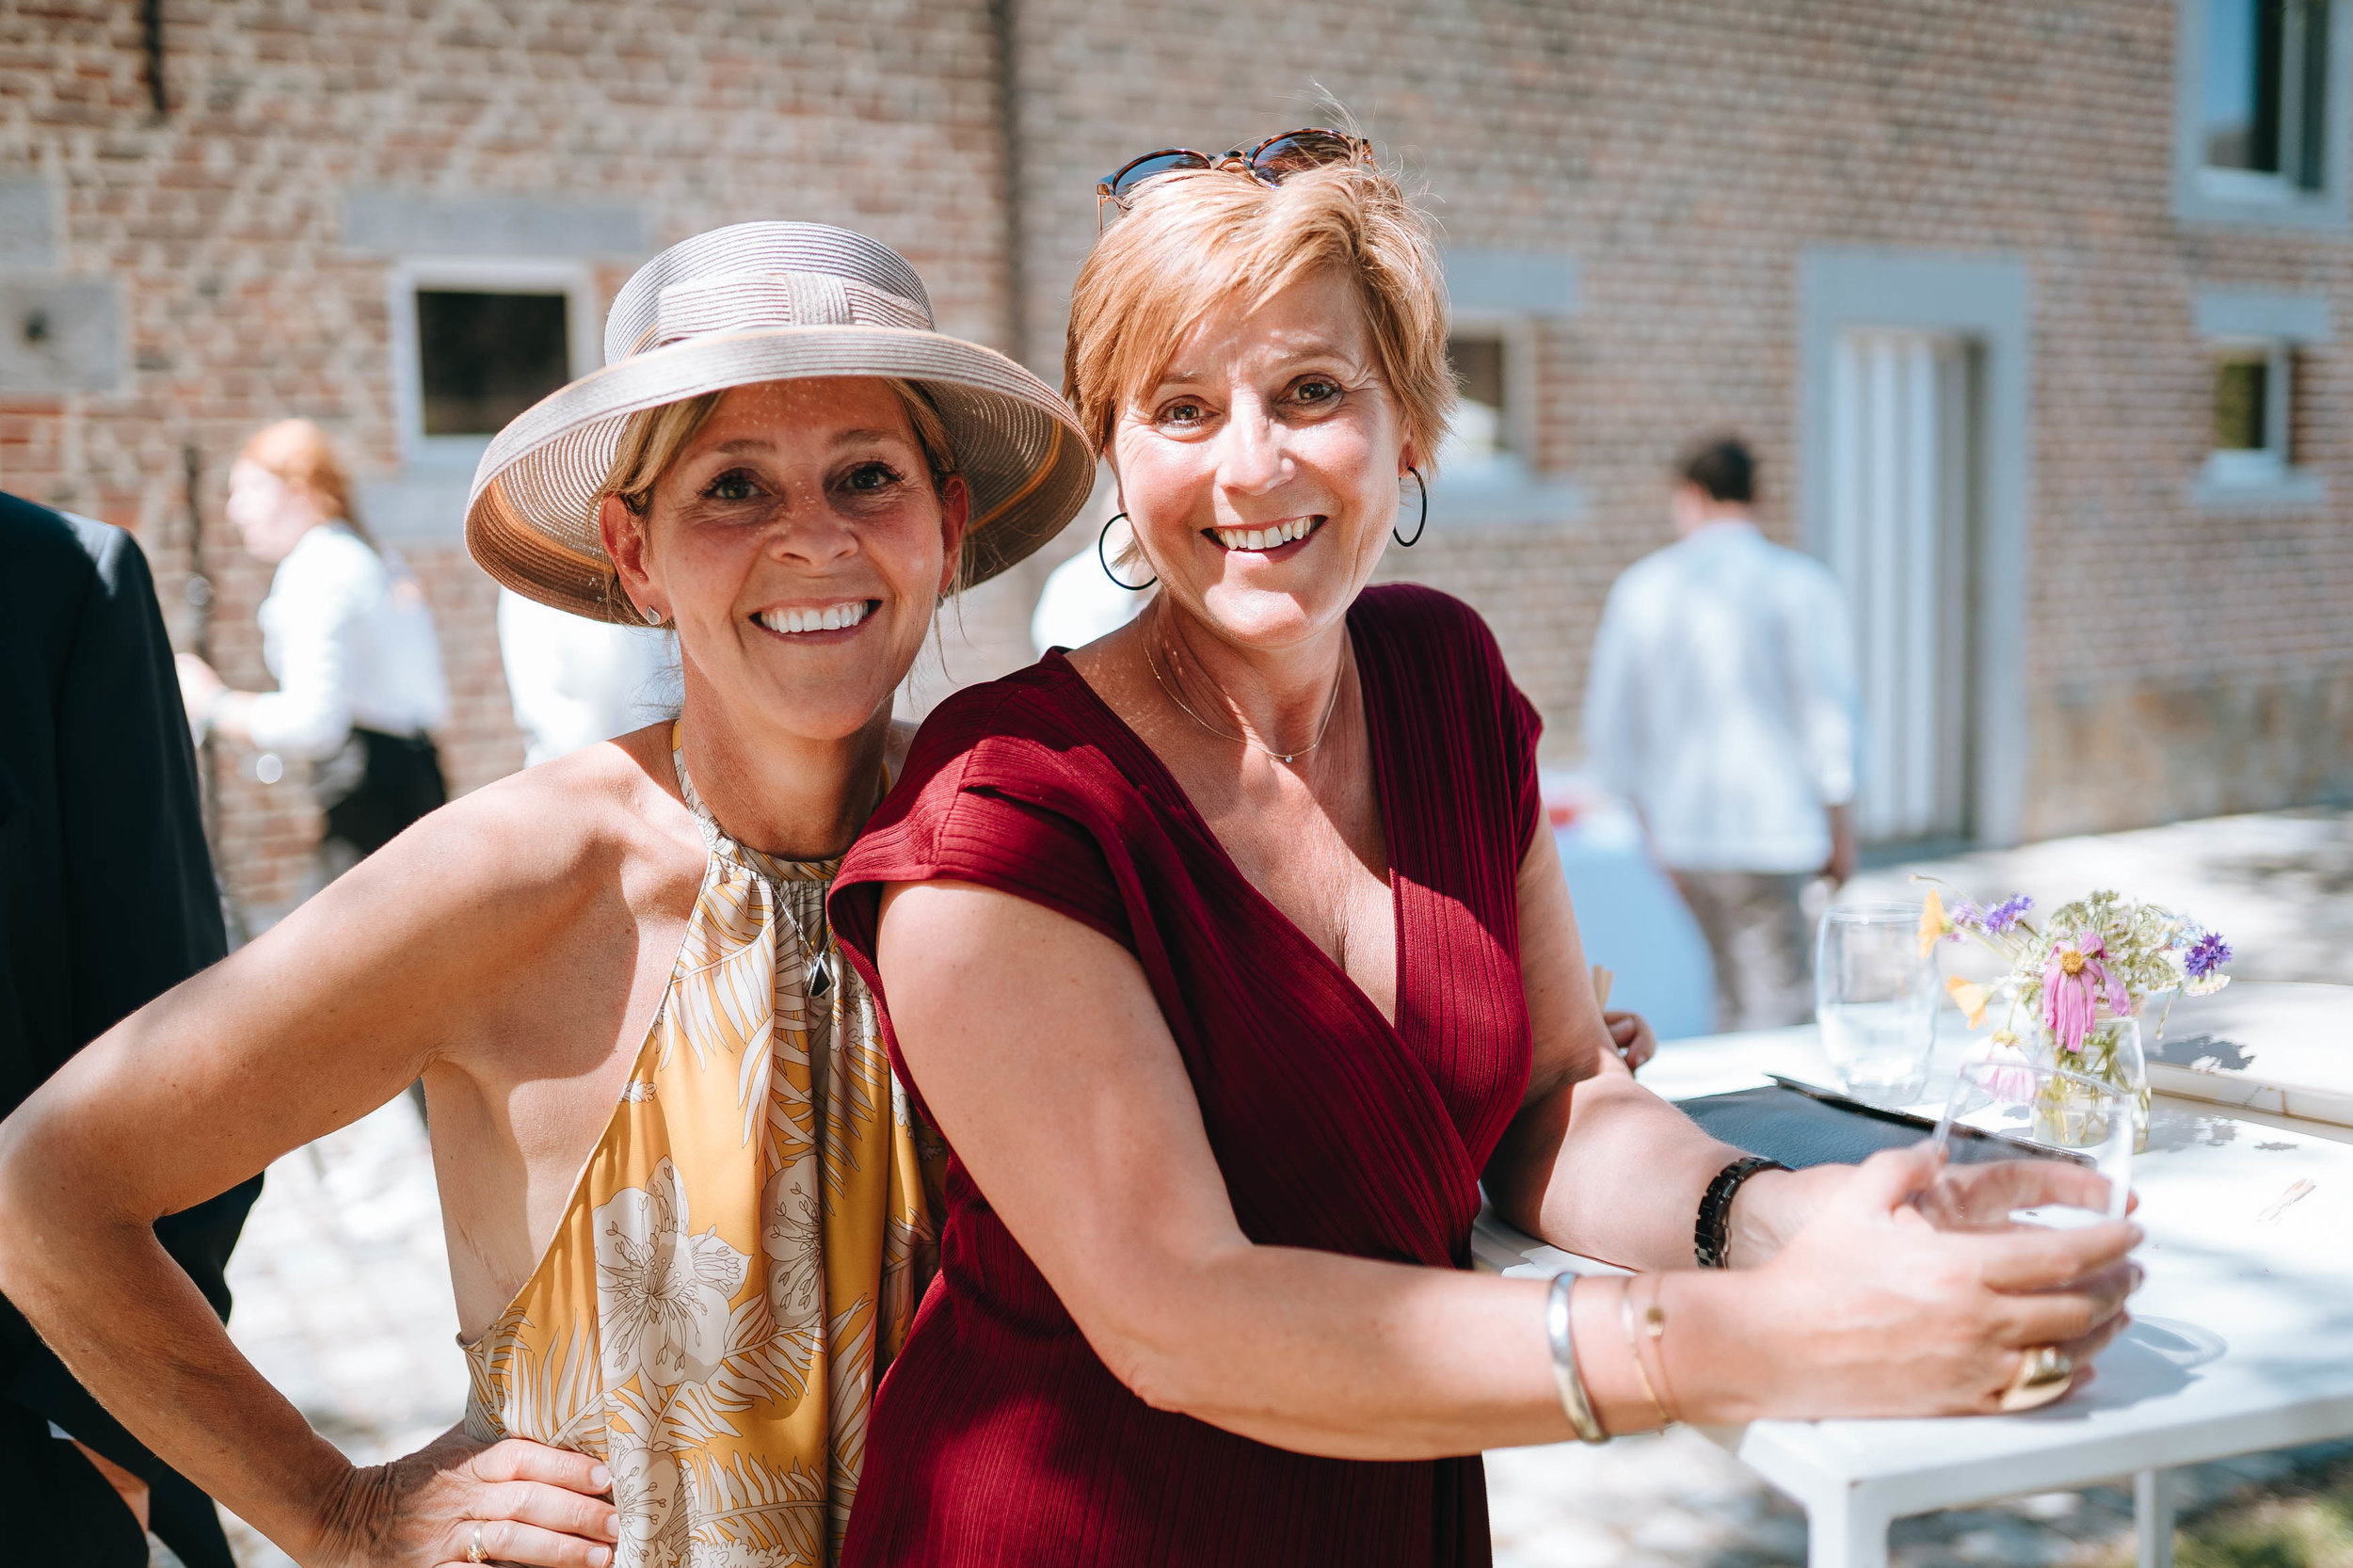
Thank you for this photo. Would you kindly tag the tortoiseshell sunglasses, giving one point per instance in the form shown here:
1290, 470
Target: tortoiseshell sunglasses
1271, 160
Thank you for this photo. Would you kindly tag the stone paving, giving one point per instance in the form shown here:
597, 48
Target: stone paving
343, 1300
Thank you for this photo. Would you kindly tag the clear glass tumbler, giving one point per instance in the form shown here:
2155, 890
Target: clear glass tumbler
2008, 1107
1875, 995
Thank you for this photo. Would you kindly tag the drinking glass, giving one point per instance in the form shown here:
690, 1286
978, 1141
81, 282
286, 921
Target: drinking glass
2030, 1140
1875, 995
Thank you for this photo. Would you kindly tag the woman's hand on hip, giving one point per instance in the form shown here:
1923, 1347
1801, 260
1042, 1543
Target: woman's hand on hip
1873, 1310
532, 1504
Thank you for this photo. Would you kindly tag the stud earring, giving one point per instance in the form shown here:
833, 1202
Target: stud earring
654, 617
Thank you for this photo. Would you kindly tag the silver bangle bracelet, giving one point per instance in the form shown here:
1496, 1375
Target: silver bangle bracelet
1565, 1370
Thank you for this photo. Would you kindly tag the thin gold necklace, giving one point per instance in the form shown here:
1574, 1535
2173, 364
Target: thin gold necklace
1330, 706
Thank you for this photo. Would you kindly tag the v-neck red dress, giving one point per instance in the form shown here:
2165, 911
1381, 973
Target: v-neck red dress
998, 1437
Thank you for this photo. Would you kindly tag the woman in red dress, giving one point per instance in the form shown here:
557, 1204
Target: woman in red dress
1229, 956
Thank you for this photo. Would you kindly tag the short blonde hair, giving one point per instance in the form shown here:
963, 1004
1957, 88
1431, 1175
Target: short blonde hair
1194, 241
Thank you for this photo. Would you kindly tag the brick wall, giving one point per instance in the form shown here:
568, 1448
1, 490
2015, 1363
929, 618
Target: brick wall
2181, 659
223, 224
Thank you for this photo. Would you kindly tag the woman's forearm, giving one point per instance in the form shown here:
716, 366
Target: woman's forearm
1592, 1162
1868, 1311
1349, 1358
130, 1325
1607, 1169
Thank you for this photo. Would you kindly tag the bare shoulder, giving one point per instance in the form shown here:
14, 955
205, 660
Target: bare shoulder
532, 847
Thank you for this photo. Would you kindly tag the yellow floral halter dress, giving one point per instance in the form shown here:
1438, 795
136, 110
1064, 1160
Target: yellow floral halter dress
743, 1252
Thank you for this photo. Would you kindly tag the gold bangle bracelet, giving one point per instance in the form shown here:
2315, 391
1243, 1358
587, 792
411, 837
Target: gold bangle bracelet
1564, 1369
1655, 1317
1633, 1345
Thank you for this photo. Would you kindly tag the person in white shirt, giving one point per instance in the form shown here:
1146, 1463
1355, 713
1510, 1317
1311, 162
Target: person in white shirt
575, 681
1082, 601
347, 632
1721, 702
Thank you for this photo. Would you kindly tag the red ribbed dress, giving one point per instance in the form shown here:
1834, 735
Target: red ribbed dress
998, 1437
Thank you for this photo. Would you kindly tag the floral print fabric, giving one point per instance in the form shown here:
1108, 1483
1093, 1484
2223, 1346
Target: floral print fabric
741, 1254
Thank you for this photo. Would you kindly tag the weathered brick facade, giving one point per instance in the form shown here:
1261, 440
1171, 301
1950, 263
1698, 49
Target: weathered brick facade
2179, 658
223, 224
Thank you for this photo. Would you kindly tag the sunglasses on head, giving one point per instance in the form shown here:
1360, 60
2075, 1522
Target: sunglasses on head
1272, 160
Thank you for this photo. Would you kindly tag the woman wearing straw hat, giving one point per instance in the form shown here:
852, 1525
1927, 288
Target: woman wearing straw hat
685, 1199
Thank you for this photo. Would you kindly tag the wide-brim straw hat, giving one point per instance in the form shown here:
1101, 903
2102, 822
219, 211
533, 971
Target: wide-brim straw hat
761, 302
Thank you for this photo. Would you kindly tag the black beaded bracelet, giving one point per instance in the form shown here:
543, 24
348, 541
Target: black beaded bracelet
1710, 1240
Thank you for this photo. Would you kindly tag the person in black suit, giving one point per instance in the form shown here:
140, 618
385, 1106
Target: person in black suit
107, 900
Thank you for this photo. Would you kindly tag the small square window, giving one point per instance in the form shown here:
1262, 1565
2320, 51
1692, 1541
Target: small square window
1493, 436
1483, 429
476, 342
2240, 385
483, 357
2249, 440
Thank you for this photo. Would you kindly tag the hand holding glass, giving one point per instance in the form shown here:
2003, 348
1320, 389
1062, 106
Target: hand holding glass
2020, 1104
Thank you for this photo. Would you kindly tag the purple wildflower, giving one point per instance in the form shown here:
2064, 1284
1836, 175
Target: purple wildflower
1965, 912
2206, 956
2007, 914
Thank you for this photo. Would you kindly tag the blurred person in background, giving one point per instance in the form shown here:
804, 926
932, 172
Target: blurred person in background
574, 681
688, 1211
107, 900
1082, 600
347, 632
1722, 703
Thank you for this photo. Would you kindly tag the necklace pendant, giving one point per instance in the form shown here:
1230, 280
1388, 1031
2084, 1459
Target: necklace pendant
1288, 758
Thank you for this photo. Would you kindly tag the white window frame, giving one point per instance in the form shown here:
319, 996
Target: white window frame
583, 318
2203, 194
1517, 332
2282, 327
1514, 296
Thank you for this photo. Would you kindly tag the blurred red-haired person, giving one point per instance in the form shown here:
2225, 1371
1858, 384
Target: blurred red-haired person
348, 635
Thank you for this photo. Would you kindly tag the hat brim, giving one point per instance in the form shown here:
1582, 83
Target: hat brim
531, 518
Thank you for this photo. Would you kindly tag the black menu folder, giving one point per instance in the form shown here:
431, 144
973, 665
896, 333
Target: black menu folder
1802, 1126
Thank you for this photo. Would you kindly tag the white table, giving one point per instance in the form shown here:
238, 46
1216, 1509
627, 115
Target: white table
2243, 1338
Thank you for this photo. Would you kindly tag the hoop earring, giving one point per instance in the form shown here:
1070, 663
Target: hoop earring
1403, 542
1104, 561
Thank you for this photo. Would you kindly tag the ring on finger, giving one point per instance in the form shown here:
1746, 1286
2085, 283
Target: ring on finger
2044, 1373
474, 1552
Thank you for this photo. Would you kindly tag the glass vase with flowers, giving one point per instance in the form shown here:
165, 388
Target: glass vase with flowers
2076, 986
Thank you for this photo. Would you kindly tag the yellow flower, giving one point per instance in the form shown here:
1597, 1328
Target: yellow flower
1931, 923
1970, 998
